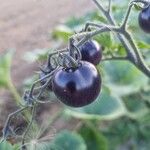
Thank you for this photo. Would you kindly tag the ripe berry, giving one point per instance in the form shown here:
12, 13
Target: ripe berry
144, 19
91, 51
77, 87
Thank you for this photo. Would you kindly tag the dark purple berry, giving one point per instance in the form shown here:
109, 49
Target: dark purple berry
144, 19
77, 87
91, 51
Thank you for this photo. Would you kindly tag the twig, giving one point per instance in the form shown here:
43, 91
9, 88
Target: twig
115, 58
29, 125
133, 54
109, 6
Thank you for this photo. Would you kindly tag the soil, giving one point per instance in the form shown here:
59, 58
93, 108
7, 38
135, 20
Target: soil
25, 26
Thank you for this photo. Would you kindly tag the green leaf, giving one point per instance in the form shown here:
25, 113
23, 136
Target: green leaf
73, 22
62, 32
122, 131
37, 54
5, 65
95, 16
67, 140
106, 107
41, 146
138, 7
16, 147
6, 146
104, 39
143, 45
94, 138
123, 77
137, 105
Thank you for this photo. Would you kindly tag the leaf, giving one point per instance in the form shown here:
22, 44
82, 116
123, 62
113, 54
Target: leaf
138, 7
16, 147
96, 16
125, 132
62, 32
135, 102
106, 107
143, 45
37, 54
77, 24
93, 138
123, 77
6, 146
104, 39
5, 65
74, 22
41, 146
67, 140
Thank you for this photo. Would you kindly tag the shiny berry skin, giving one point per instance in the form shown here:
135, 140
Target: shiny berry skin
41, 75
91, 51
77, 87
144, 19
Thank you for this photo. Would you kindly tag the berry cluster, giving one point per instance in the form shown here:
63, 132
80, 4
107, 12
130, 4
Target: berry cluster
80, 85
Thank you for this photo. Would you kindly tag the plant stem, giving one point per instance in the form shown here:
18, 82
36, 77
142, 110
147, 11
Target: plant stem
14, 92
113, 23
140, 61
115, 58
127, 16
28, 127
17, 97
109, 5
52, 119
134, 55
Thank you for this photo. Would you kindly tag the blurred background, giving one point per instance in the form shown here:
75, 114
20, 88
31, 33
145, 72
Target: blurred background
120, 117
26, 24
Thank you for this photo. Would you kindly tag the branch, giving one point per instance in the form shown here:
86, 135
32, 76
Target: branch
134, 54
113, 23
89, 35
140, 61
100, 6
127, 16
109, 6
131, 4
28, 127
92, 25
115, 58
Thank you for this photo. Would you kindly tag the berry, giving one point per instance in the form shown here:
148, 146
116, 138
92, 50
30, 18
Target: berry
77, 87
91, 51
144, 19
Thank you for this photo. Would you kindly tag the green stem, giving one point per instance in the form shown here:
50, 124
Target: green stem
52, 119
14, 92
134, 54
28, 127
17, 97
140, 61
111, 20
